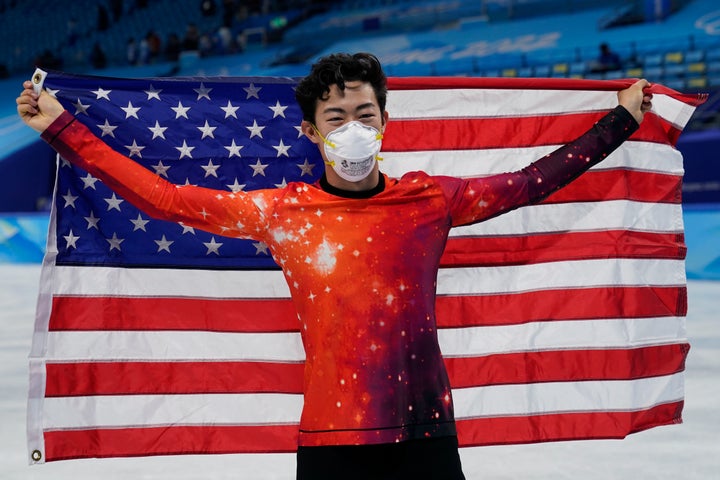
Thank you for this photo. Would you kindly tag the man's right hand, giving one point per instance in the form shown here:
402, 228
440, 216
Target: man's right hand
37, 112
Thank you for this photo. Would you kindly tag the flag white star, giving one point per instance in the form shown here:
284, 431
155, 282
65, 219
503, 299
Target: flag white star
92, 221
282, 184
161, 169
180, 110
233, 149
71, 239
53, 93
89, 181
158, 131
278, 110
203, 92
185, 151
260, 247
210, 169
80, 107
258, 168
282, 149
186, 229
135, 149
153, 93
139, 223
306, 168
207, 130
130, 111
212, 246
164, 244
230, 110
107, 129
236, 187
69, 199
299, 129
115, 242
100, 93
255, 130
114, 202
252, 91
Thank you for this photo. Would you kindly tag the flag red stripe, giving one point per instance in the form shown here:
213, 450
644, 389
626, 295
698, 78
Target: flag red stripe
577, 303
141, 378
483, 133
565, 426
237, 315
128, 378
566, 365
170, 313
528, 249
165, 440
600, 185
175, 440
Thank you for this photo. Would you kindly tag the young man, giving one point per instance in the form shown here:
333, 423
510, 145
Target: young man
360, 252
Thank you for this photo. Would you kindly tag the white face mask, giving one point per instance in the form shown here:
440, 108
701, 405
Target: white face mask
352, 150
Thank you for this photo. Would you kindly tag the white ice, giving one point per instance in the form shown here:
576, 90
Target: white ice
687, 451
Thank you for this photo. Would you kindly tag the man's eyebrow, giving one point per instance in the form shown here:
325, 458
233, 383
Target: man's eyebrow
342, 110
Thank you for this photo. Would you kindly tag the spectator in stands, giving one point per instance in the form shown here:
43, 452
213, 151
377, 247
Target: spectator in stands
223, 40
72, 33
191, 40
152, 46
173, 47
117, 7
208, 8
228, 12
103, 18
131, 51
48, 61
205, 45
607, 60
98, 59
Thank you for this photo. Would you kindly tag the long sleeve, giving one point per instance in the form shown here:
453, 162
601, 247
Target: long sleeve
477, 199
226, 213
565, 164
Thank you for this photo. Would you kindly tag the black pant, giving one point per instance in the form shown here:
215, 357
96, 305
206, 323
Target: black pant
424, 459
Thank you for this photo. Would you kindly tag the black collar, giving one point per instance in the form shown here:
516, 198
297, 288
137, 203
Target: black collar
340, 192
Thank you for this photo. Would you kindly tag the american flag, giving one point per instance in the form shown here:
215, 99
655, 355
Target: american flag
563, 320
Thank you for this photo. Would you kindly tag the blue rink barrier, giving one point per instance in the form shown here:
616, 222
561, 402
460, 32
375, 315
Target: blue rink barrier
23, 236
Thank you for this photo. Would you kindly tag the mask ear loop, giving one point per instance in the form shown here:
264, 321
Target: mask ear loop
379, 136
327, 142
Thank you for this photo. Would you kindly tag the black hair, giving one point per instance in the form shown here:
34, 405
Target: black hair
336, 69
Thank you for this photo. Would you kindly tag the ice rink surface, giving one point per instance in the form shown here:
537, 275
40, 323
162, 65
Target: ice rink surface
688, 451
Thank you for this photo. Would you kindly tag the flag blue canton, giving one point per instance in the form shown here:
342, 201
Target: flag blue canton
229, 134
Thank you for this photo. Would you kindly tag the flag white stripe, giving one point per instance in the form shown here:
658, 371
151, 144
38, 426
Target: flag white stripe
564, 335
287, 347
263, 408
639, 156
137, 282
556, 275
580, 217
479, 103
563, 397
194, 409
482, 103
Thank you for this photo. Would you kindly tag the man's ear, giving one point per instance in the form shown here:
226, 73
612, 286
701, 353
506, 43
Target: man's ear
308, 129
386, 117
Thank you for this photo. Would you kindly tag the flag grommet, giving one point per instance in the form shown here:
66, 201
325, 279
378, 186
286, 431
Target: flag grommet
36, 455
